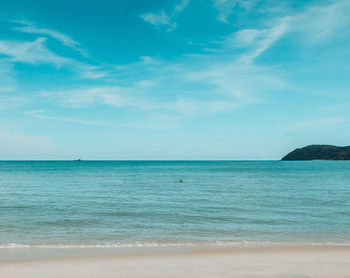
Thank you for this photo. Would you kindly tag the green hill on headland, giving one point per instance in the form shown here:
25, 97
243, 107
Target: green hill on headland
319, 152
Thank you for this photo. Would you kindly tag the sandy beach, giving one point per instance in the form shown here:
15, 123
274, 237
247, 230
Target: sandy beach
307, 261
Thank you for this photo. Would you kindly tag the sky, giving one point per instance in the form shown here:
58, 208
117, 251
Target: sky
179, 80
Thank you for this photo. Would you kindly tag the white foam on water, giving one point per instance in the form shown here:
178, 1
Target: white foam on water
175, 244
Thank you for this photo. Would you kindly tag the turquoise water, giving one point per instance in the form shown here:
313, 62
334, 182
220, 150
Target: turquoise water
122, 203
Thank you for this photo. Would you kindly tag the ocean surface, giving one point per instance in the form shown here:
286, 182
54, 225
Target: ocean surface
142, 203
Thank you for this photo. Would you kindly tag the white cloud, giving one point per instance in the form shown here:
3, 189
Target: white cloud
189, 86
164, 19
145, 83
63, 38
151, 122
39, 115
225, 7
66, 40
238, 76
220, 85
229, 74
137, 66
182, 5
261, 40
244, 38
92, 72
318, 123
36, 53
313, 25
157, 19
241, 83
110, 95
154, 85
32, 52
90, 96
135, 98
148, 124
322, 22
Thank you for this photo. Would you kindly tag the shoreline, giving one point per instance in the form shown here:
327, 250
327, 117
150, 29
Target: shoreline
286, 261
37, 252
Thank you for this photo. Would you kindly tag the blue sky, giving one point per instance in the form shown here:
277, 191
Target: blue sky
181, 79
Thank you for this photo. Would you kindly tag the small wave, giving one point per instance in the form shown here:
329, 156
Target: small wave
176, 244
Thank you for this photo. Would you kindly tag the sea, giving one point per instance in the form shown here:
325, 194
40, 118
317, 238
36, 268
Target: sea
143, 203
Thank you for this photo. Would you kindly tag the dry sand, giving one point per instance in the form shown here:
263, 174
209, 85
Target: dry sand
291, 262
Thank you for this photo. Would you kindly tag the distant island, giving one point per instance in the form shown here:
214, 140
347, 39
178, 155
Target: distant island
319, 152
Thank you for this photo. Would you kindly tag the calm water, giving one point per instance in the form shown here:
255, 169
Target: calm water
142, 203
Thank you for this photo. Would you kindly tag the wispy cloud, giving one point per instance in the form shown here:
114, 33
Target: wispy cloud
154, 121
39, 114
92, 72
193, 85
36, 52
144, 61
311, 26
162, 18
174, 87
91, 96
322, 22
318, 123
255, 42
225, 7
182, 5
188, 86
33, 52
137, 97
159, 19
63, 38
